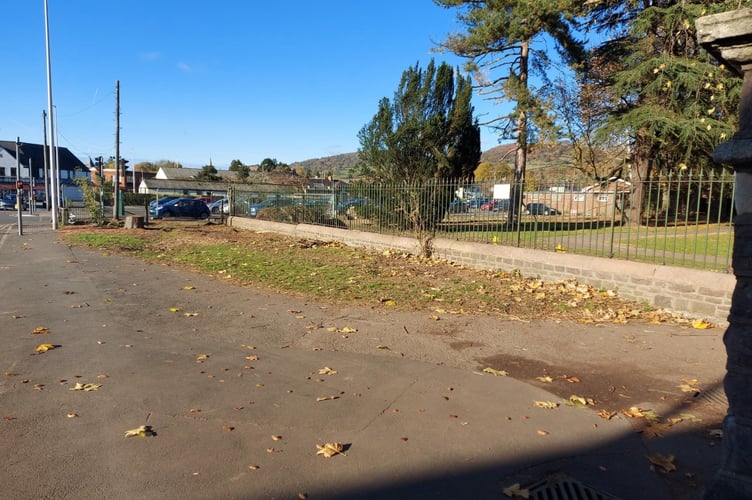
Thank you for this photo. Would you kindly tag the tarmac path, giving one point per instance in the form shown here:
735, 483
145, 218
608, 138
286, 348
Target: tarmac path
230, 377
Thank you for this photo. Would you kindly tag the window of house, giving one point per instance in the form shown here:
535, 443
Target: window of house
2, 171
12, 171
579, 197
603, 198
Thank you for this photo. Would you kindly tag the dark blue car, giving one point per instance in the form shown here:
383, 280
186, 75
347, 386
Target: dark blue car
181, 207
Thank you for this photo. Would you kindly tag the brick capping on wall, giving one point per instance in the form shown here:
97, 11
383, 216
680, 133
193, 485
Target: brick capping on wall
695, 293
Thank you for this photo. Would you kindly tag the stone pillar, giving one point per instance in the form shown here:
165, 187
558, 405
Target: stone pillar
728, 36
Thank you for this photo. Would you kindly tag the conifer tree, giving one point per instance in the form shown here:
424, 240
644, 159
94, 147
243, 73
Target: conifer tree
500, 43
675, 102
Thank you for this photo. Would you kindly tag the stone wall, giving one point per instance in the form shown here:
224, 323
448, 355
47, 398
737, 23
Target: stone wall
695, 293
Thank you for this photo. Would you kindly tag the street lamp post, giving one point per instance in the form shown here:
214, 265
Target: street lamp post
54, 180
728, 36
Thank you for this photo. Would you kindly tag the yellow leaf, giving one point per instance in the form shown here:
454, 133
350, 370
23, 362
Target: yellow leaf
665, 462
580, 401
143, 431
605, 414
327, 371
190, 314
330, 449
701, 324
545, 379
201, 357
550, 405
498, 373
347, 329
44, 347
189, 287
85, 387
633, 412
276, 438
41, 330
174, 309
541, 432
380, 346
516, 491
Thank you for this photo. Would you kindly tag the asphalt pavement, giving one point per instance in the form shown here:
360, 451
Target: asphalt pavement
238, 393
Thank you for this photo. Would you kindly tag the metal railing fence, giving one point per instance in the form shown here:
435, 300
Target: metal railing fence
685, 220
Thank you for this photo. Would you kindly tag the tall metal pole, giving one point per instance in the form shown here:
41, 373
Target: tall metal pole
46, 163
19, 187
53, 159
117, 150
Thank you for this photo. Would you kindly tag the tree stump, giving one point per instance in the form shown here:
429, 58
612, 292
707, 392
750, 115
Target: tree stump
134, 222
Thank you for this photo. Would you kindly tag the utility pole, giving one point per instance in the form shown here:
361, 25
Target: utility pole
45, 155
19, 187
117, 150
53, 158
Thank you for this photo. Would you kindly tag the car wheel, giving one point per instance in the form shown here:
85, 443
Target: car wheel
204, 215
167, 214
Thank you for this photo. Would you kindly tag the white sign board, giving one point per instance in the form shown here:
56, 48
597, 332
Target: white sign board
502, 191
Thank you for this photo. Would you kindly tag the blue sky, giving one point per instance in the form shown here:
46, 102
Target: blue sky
222, 80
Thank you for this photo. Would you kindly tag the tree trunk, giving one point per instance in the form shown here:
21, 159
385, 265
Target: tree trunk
520, 158
639, 171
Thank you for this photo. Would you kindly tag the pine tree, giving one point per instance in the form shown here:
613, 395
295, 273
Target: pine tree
676, 103
500, 42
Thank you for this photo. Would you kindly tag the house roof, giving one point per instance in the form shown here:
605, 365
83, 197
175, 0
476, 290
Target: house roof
35, 153
192, 173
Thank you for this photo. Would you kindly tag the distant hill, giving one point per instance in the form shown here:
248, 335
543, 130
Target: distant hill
340, 165
558, 156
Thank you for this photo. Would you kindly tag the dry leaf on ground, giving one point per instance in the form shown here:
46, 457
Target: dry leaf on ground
143, 431
330, 449
665, 462
327, 371
498, 373
516, 491
44, 347
41, 330
85, 387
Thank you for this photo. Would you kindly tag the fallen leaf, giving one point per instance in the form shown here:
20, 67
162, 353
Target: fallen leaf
605, 414
85, 387
330, 449
541, 432
201, 358
690, 418
72, 415
252, 357
545, 379
190, 314
41, 330
44, 347
228, 428
550, 405
327, 371
633, 412
143, 431
326, 398
580, 401
253, 467
174, 309
498, 373
380, 346
665, 462
516, 491
276, 438
189, 287
701, 324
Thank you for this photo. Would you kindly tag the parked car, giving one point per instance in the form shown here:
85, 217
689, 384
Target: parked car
221, 204
254, 208
496, 206
161, 201
540, 209
458, 206
477, 202
8, 202
181, 207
